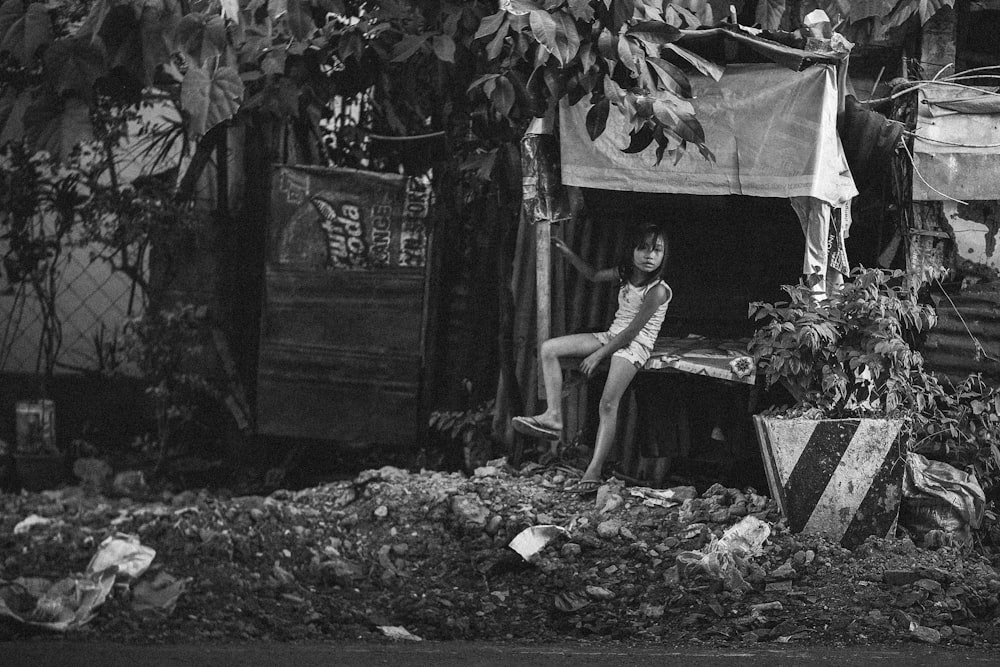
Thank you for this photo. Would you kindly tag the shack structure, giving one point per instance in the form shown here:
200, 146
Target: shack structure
775, 204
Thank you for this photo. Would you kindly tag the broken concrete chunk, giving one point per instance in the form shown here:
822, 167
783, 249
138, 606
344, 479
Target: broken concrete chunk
609, 529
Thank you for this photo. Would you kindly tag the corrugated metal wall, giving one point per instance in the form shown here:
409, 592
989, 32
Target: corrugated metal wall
966, 320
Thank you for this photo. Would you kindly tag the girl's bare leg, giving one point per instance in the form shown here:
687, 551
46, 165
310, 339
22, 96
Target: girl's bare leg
574, 345
619, 377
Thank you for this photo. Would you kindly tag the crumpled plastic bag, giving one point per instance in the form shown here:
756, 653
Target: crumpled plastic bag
959, 489
531, 540
939, 498
63, 605
123, 552
159, 595
72, 601
726, 557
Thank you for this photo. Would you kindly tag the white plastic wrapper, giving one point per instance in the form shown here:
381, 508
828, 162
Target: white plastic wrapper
123, 551
530, 541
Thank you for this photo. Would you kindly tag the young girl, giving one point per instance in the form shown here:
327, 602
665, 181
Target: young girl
643, 298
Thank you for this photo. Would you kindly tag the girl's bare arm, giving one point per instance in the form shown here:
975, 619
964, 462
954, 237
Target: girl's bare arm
655, 298
585, 269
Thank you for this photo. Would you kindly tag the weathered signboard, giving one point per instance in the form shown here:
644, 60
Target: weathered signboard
342, 337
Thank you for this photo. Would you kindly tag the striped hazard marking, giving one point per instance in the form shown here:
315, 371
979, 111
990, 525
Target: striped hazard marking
837, 477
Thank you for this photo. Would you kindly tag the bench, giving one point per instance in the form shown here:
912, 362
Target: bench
651, 402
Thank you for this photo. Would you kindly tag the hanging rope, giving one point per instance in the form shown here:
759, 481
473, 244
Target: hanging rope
910, 133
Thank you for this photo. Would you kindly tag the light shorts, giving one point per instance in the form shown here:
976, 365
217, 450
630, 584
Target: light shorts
635, 352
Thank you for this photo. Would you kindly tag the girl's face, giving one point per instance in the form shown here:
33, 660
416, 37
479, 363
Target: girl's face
649, 255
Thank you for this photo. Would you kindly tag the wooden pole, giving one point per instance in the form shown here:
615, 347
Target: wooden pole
543, 291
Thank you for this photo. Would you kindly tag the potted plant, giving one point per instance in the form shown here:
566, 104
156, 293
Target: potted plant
832, 457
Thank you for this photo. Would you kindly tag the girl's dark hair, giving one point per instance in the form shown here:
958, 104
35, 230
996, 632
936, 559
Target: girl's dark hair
639, 235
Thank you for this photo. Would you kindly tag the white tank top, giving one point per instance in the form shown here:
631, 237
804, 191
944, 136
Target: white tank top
630, 299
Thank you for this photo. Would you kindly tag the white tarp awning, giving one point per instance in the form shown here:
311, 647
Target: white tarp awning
773, 132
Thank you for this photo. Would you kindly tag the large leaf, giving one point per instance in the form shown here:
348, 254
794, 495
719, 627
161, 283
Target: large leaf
671, 77
24, 31
407, 46
209, 98
556, 33
654, 32
621, 13
201, 37
57, 125
706, 67
567, 37
581, 10
502, 96
490, 24
444, 48
495, 46
640, 139
597, 118
73, 65
543, 27
300, 22
769, 13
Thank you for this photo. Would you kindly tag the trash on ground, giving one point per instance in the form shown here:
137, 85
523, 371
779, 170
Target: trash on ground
940, 502
159, 595
66, 604
531, 540
123, 552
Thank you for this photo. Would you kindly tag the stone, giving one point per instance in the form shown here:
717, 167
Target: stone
928, 585
469, 510
608, 529
924, 634
493, 525
570, 550
600, 593
784, 571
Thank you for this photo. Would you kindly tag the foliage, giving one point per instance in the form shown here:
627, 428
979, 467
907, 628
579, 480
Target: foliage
167, 348
621, 53
960, 424
472, 430
224, 61
847, 354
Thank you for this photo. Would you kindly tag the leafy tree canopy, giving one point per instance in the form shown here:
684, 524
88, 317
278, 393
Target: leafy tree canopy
218, 59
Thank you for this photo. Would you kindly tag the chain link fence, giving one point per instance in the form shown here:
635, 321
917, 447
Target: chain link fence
93, 303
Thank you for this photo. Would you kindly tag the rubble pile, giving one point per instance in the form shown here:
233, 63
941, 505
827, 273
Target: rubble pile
430, 555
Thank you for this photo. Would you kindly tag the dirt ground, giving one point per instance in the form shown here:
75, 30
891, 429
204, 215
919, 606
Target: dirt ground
393, 553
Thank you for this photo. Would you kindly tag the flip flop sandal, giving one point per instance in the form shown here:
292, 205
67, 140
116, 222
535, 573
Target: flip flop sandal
583, 488
534, 428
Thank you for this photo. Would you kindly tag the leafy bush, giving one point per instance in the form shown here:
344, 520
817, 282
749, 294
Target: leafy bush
167, 348
960, 424
470, 430
847, 354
